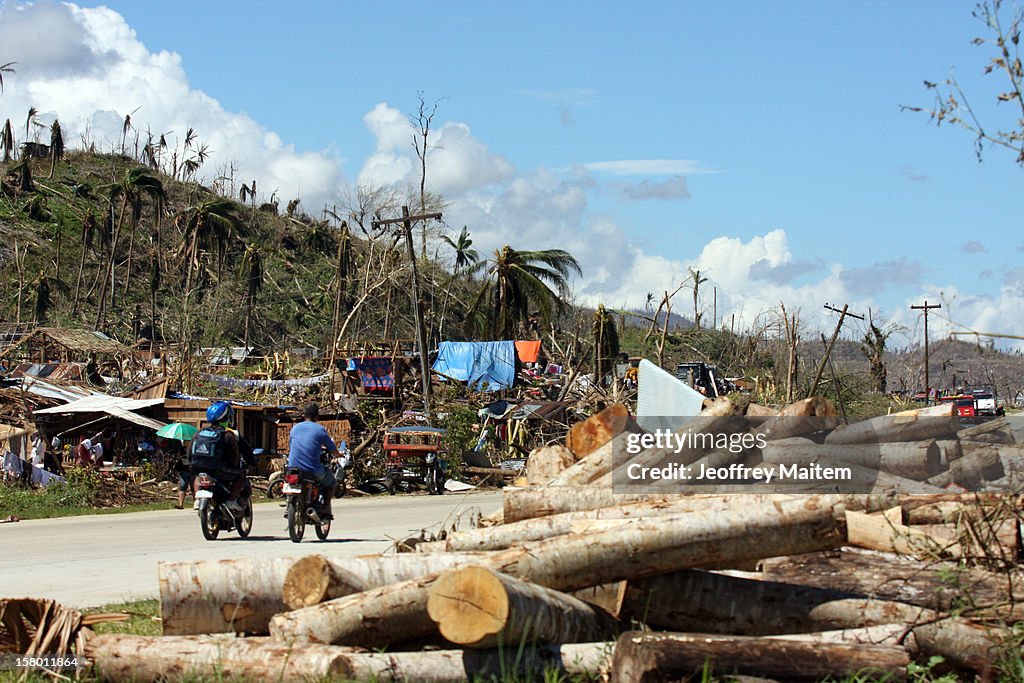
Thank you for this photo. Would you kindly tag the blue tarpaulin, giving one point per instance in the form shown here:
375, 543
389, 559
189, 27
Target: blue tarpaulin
485, 366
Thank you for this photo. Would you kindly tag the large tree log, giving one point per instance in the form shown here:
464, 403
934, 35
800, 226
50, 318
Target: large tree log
877, 532
674, 656
219, 596
637, 549
697, 434
315, 578
939, 586
913, 460
546, 463
980, 463
799, 418
480, 608
588, 661
520, 504
144, 658
992, 431
935, 422
122, 657
701, 601
592, 470
539, 528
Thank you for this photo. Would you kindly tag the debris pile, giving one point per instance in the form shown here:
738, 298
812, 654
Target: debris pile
579, 576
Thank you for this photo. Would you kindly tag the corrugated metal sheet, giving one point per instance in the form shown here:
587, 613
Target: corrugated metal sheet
102, 403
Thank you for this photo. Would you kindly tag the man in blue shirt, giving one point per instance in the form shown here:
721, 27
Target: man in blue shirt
305, 444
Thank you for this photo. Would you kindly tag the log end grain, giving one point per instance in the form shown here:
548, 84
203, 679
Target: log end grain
469, 605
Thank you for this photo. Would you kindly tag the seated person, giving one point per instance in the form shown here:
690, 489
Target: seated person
305, 443
216, 451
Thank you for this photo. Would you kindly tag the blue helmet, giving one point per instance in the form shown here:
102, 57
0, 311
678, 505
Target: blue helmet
221, 411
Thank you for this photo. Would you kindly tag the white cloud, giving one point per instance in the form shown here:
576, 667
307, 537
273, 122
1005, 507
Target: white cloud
649, 167
87, 67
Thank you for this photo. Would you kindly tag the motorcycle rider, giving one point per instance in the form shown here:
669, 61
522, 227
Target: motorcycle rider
304, 451
216, 450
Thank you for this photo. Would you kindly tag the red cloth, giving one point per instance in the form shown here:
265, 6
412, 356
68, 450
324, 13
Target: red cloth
84, 455
528, 351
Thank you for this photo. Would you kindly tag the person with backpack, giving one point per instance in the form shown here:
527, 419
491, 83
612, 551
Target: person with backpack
216, 451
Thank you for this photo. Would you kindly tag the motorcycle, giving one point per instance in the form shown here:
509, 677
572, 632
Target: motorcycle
214, 516
305, 505
339, 468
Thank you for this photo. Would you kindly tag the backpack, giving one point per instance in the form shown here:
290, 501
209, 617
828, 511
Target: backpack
208, 447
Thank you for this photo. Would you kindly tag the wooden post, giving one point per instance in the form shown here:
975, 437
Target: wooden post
926, 307
421, 333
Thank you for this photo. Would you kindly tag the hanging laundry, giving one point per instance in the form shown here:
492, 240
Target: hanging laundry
528, 351
376, 373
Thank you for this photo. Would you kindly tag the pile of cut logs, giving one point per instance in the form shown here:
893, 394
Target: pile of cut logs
574, 578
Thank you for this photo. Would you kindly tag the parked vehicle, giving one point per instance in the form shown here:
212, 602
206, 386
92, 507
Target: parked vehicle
305, 505
214, 516
413, 456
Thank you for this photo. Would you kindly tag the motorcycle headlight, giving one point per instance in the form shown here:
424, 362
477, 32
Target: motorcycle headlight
343, 461
431, 457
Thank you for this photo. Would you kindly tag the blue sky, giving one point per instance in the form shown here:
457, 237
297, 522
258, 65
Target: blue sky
772, 150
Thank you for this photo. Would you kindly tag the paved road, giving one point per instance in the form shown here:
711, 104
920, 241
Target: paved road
98, 559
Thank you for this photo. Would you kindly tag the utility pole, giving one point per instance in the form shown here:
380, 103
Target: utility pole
926, 307
421, 333
828, 348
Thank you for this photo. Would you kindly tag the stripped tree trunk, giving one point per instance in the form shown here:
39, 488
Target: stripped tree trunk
479, 608
890, 577
217, 596
935, 422
700, 601
121, 657
673, 656
539, 528
634, 550
315, 578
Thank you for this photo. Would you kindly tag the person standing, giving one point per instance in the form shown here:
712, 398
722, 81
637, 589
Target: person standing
306, 442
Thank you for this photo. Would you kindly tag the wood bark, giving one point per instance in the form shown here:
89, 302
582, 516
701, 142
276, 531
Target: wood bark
912, 460
939, 586
978, 465
145, 658
122, 657
876, 532
674, 656
710, 602
588, 661
478, 608
992, 431
799, 418
315, 578
539, 528
935, 422
531, 503
592, 470
546, 463
635, 550
218, 596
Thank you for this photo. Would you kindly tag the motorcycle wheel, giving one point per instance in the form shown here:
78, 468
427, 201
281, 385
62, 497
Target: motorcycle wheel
296, 519
274, 487
208, 515
245, 523
341, 488
322, 529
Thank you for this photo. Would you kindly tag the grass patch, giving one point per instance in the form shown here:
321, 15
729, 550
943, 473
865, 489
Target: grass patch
143, 618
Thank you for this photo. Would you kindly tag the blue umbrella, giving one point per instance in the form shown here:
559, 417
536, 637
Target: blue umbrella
177, 430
